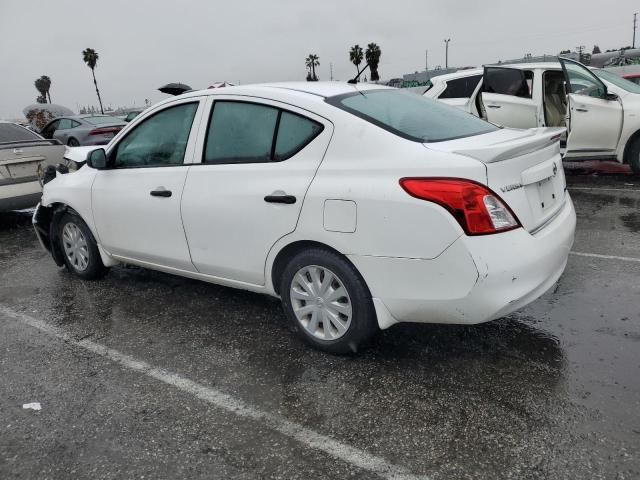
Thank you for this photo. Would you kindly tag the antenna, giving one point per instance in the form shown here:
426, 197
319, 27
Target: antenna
355, 79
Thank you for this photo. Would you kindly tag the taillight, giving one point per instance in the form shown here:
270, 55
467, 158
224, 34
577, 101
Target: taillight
102, 131
477, 209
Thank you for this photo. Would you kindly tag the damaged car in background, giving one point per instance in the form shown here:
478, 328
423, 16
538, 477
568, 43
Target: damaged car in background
599, 109
24, 157
432, 216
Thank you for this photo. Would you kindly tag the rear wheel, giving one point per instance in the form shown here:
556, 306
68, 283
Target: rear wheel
79, 248
73, 142
633, 156
327, 301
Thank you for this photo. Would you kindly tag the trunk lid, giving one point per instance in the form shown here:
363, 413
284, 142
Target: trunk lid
524, 168
20, 160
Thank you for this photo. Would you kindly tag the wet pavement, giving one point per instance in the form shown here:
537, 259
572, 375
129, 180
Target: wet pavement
552, 391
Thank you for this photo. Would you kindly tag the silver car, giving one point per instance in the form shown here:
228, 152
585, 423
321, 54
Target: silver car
83, 129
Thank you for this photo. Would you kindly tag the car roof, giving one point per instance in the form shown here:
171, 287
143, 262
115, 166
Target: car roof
316, 89
459, 74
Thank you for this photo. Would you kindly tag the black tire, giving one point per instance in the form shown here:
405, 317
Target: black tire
72, 142
94, 268
633, 156
363, 324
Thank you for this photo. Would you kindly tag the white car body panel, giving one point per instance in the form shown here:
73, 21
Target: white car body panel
603, 130
414, 256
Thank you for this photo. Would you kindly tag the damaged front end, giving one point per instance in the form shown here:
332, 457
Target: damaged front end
43, 222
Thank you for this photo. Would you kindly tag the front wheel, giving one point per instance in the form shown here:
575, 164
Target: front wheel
73, 142
79, 248
633, 156
327, 301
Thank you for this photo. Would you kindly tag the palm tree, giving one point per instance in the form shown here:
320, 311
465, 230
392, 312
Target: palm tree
90, 57
372, 56
355, 56
41, 87
46, 82
312, 61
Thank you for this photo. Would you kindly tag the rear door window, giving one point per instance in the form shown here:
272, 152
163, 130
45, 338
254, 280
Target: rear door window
65, 123
508, 81
244, 132
461, 87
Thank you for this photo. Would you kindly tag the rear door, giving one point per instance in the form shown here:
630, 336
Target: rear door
507, 97
459, 91
62, 132
594, 121
258, 158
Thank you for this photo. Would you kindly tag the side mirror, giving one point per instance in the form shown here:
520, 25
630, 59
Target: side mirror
612, 97
97, 159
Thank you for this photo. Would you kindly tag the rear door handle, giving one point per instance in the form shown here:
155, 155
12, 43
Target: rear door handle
494, 106
582, 109
160, 192
288, 199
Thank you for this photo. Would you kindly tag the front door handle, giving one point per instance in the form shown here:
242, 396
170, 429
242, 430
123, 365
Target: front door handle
582, 109
494, 106
160, 192
288, 199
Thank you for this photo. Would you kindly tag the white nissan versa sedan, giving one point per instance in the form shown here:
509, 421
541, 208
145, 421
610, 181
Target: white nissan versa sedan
359, 206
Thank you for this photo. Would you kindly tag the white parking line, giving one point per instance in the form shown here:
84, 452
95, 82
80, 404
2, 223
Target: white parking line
304, 435
608, 257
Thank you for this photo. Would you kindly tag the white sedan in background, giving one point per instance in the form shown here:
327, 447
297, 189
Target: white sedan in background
359, 206
599, 109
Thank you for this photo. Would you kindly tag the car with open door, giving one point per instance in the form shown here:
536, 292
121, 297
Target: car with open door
601, 114
358, 206
83, 130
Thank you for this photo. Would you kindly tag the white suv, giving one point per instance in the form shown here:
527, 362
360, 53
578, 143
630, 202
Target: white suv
600, 110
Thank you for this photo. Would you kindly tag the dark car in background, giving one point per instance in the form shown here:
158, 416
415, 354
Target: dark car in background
83, 129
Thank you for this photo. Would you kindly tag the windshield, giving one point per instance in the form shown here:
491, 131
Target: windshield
618, 81
411, 116
102, 120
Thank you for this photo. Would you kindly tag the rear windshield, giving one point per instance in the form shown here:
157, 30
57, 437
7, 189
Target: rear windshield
102, 120
10, 132
411, 116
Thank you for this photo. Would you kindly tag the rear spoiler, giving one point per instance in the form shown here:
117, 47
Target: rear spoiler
37, 142
531, 140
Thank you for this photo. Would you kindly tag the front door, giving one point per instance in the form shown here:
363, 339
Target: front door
594, 118
507, 97
136, 200
258, 159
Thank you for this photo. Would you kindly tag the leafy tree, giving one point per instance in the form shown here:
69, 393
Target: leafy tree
38, 117
372, 55
90, 57
312, 61
596, 49
41, 99
355, 56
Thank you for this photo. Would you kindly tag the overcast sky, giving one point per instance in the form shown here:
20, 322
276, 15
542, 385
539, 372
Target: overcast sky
143, 44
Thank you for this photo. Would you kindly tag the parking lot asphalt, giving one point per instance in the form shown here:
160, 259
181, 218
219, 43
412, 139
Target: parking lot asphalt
147, 375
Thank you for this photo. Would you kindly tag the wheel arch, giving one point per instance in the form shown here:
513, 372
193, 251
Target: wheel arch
630, 141
290, 250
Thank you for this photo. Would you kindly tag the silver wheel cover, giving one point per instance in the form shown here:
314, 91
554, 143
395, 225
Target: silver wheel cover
75, 246
321, 302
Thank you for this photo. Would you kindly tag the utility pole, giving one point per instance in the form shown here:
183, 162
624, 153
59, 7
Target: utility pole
426, 60
331, 69
446, 52
635, 23
580, 52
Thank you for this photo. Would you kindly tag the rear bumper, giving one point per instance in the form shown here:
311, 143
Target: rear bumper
477, 279
18, 195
